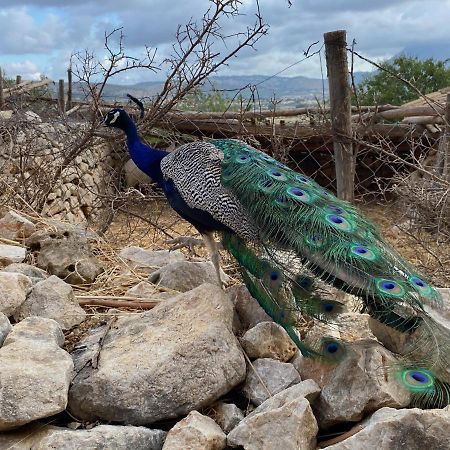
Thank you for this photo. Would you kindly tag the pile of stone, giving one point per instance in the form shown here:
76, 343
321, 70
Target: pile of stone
205, 369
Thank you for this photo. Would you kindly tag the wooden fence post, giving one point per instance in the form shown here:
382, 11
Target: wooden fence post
61, 100
2, 100
340, 110
69, 88
443, 153
18, 79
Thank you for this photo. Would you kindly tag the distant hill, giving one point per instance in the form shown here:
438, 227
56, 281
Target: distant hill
267, 87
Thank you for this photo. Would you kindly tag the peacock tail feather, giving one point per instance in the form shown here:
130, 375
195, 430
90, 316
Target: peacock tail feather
306, 233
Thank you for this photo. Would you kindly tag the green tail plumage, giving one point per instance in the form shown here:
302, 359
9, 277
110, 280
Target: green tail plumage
306, 233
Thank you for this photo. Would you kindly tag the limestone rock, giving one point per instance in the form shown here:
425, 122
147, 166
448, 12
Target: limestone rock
248, 309
101, 437
5, 328
142, 290
183, 276
33, 273
180, 356
11, 254
54, 299
268, 340
227, 415
359, 384
66, 253
285, 421
35, 374
148, 260
134, 176
13, 291
275, 375
393, 429
13, 226
195, 432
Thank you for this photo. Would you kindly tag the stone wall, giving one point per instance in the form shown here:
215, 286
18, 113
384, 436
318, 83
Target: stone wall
32, 151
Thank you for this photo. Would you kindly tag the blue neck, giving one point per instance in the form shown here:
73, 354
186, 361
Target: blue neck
145, 157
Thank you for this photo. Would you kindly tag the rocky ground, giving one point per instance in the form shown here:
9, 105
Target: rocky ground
203, 369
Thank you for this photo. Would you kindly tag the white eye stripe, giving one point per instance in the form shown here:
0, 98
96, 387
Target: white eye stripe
116, 115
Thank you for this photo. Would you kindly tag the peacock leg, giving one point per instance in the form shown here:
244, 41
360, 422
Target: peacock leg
214, 255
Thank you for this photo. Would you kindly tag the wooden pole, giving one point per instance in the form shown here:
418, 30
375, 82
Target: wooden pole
69, 88
340, 108
2, 100
18, 79
61, 101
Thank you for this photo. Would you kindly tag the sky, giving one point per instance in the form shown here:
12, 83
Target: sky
37, 37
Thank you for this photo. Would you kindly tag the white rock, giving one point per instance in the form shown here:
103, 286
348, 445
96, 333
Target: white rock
227, 415
35, 374
33, 273
148, 260
5, 328
11, 254
13, 226
13, 291
393, 429
180, 356
134, 176
142, 290
285, 421
270, 378
248, 309
268, 340
6, 115
183, 276
54, 299
101, 437
357, 385
195, 432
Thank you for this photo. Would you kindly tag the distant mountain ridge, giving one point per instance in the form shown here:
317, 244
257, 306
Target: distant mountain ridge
265, 87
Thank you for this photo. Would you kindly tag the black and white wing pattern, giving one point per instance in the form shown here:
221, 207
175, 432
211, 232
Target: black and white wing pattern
195, 170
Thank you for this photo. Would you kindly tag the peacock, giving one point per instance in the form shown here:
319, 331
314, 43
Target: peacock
290, 237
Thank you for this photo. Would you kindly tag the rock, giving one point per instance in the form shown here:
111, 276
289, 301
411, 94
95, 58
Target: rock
359, 384
134, 176
13, 226
35, 374
66, 253
227, 415
145, 289
268, 340
54, 299
180, 356
148, 260
33, 273
11, 254
13, 291
6, 115
285, 421
38, 437
248, 309
394, 429
31, 116
275, 375
195, 432
5, 328
183, 276
142, 290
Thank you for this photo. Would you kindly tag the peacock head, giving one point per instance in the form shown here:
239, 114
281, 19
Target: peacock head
116, 118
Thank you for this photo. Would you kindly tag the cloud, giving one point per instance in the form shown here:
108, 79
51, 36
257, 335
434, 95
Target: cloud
27, 69
20, 33
52, 29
